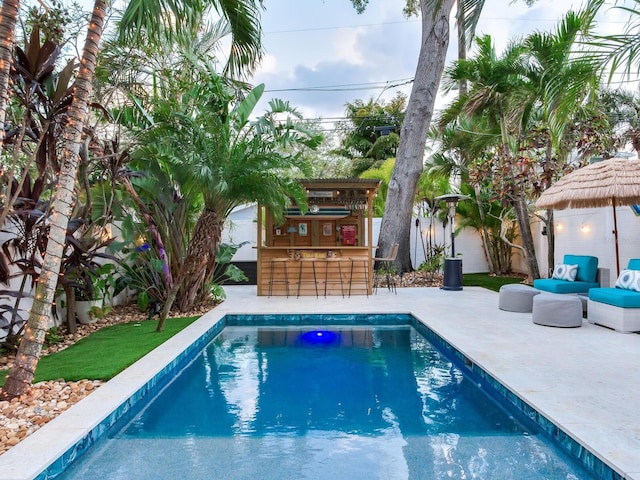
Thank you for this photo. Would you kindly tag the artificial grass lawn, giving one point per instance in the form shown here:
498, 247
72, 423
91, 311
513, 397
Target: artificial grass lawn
487, 281
107, 352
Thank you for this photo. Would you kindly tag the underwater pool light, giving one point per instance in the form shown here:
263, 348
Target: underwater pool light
322, 337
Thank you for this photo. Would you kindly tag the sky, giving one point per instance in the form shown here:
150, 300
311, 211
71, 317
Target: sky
321, 54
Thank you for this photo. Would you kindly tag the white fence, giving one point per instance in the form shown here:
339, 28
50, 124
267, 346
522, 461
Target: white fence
586, 231
590, 231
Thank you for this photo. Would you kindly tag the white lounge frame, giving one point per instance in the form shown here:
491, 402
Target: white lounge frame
623, 320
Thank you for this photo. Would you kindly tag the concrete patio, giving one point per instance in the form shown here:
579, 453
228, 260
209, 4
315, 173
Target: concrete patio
583, 379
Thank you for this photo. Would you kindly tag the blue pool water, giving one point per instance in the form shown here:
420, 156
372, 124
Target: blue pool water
331, 403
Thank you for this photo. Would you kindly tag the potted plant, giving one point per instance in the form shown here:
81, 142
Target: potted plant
85, 281
93, 301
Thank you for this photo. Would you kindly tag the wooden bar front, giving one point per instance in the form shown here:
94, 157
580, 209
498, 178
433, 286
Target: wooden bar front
325, 251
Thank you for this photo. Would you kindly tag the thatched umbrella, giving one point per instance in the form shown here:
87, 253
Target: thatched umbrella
614, 182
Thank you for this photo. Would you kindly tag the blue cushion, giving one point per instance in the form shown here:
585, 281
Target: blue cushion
587, 267
616, 296
634, 264
563, 286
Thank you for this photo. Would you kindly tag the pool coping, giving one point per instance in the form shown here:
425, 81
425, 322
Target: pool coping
74, 431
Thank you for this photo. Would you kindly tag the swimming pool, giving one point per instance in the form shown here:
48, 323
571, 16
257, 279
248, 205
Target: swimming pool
344, 402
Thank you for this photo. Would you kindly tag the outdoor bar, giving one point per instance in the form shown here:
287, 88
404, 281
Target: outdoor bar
326, 251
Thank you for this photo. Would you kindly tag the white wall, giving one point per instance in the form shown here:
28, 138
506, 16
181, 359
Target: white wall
589, 231
242, 230
468, 244
14, 284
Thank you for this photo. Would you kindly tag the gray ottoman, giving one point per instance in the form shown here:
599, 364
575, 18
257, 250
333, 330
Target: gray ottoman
555, 310
516, 297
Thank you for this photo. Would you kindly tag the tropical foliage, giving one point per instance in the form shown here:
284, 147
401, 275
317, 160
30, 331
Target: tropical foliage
434, 15
219, 158
533, 100
73, 141
372, 132
163, 142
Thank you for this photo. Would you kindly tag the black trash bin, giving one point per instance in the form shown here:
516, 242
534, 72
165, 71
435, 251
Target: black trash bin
452, 274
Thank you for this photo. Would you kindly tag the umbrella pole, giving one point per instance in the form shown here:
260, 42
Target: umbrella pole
615, 232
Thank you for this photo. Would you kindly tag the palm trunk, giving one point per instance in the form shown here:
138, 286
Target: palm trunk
21, 375
202, 252
551, 242
486, 238
8, 19
200, 257
551, 234
396, 222
70, 295
462, 46
522, 215
166, 308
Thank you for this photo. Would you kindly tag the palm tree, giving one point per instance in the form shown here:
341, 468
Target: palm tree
215, 152
548, 85
396, 223
502, 94
160, 20
365, 140
21, 375
462, 144
623, 109
8, 18
494, 222
564, 81
618, 52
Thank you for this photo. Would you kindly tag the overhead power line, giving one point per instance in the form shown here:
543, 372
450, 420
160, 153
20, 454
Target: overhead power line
404, 22
348, 87
298, 30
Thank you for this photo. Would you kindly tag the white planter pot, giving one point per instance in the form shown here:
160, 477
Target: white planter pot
61, 311
82, 310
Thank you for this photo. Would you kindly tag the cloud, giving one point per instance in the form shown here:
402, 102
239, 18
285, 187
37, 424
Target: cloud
346, 46
340, 78
356, 62
269, 65
325, 43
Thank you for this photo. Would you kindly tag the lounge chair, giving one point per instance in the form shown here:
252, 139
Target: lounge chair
577, 274
618, 307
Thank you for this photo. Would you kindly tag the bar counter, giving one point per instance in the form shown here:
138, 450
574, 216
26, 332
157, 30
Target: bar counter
314, 270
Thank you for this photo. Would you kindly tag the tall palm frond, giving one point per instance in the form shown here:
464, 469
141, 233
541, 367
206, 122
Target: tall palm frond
168, 20
617, 52
564, 78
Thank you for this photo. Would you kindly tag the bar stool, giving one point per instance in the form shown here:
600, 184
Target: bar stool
285, 281
334, 261
365, 261
306, 261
